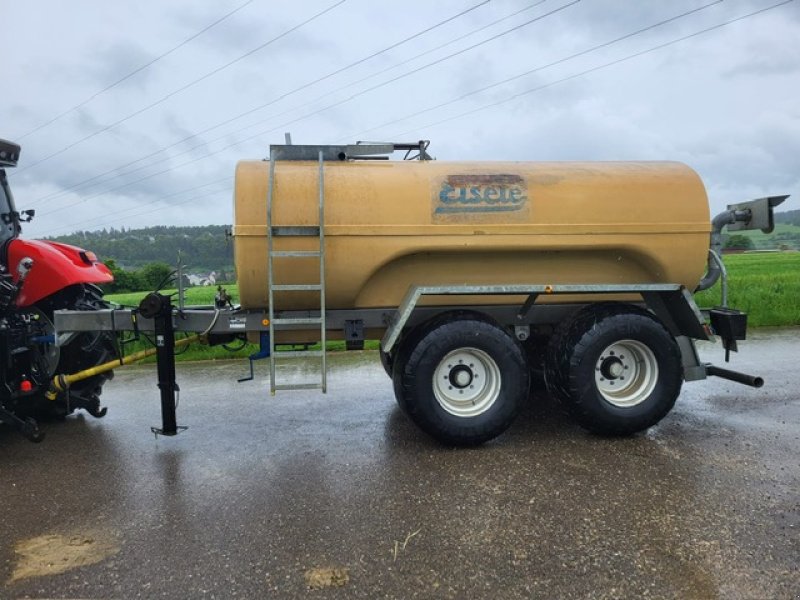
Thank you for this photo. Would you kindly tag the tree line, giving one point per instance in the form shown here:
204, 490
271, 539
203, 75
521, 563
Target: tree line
203, 249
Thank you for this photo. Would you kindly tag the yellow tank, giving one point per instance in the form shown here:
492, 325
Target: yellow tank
391, 224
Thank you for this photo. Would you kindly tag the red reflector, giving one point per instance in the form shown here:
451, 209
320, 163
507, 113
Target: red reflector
25, 386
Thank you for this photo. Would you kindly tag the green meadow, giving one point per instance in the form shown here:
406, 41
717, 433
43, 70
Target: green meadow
764, 285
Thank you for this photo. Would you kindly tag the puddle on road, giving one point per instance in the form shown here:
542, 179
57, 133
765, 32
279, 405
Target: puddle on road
54, 554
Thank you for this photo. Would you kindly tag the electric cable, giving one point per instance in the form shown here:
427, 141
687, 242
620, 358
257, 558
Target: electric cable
579, 74
184, 87
255, 109
542, 67
118, 213
135, 71
600, 67
338, 103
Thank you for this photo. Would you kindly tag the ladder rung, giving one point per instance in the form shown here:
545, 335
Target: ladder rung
296, 287
295, 230
296, 253
298, 321
298, 386
299, 353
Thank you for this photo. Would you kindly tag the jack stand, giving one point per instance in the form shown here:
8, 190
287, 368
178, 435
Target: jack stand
159, 308
263, 352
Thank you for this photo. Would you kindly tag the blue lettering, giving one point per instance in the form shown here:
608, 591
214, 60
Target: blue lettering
483, 194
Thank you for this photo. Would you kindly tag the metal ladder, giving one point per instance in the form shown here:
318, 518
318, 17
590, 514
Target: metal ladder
279, 323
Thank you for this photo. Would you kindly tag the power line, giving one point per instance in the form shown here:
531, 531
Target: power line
570, 77
444, 45
600, 67
184, 87
438, 61
338, 103
181, 203
137, 70
103, 219
252, 110
542, 67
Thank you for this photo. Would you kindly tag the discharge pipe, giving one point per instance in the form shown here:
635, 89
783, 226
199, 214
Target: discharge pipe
744, 378
714, 270
755, 214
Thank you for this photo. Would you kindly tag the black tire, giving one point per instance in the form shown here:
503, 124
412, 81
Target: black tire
478, 348
82, 351
615, 368
409, 340
536, 350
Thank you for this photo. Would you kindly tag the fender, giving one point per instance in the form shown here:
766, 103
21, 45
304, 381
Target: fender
55, 267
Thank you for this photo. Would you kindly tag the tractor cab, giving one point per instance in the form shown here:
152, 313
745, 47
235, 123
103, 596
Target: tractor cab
9, 217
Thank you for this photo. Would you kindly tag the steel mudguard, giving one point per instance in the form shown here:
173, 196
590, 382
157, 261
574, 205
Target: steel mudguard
55, 267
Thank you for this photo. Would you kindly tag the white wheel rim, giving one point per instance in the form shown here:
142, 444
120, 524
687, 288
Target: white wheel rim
626, 373
466, 382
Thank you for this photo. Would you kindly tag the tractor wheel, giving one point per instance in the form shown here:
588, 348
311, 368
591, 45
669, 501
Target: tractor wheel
464, 381
80, 351
616, 369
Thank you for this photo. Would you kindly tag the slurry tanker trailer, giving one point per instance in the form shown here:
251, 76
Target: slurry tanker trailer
479, 278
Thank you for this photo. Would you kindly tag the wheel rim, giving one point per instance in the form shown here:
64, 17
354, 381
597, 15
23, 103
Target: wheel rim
466, 382
626, 373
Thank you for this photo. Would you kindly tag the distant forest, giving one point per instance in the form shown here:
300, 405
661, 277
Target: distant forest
790, 217
203, 249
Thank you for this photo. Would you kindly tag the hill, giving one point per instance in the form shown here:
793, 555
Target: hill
786, 235
203, 248
790, 217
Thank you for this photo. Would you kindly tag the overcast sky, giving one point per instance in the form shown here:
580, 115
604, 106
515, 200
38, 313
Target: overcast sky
725, 101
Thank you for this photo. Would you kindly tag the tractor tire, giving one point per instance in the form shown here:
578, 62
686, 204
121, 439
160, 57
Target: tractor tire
463, 381
81, 351
615, 368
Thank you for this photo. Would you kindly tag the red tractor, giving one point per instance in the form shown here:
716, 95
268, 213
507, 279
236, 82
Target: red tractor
36, 278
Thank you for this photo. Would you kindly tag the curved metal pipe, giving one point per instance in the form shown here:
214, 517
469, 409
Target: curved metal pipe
714, 269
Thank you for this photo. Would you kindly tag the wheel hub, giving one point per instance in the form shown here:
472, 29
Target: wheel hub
626, 373
466, 382
461, 376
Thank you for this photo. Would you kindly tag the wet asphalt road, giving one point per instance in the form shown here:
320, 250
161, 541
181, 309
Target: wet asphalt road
259, 490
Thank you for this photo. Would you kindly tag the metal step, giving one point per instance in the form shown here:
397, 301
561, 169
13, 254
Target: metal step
298, 386
298, 321
295, 230
296, 287
296, 253
298, 353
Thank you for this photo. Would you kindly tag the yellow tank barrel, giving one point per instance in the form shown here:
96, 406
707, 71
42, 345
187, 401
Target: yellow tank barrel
392, 224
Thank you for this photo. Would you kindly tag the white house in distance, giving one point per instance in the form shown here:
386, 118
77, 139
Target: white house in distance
203, 280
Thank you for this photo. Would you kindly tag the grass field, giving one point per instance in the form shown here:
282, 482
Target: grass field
764, 285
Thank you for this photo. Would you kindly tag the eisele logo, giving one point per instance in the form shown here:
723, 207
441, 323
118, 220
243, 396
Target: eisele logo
480, 196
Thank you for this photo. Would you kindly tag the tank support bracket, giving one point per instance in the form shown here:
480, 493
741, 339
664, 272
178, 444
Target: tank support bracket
671, 299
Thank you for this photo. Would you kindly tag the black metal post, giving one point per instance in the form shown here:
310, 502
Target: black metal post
159, 308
